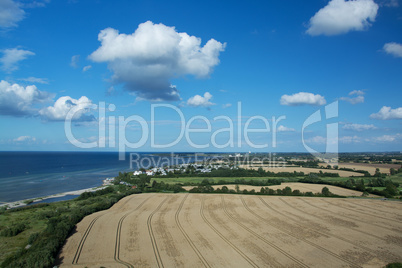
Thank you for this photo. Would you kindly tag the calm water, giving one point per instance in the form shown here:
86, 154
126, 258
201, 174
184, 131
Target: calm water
26, 175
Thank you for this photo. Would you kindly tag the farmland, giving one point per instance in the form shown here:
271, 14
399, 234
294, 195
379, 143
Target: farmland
371, 168
169, 230
341, 173
302, 187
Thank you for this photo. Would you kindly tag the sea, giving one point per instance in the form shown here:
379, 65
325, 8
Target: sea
27, 175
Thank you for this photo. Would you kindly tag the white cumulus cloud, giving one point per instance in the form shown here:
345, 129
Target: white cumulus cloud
74, 61
86, 68
388, 138
340, 16
285, 129
24, 139
359, 127
63, 105
394, 49
350, 139
387, 113
317, 140
356, 92
146, 60
354, 100
12, 56
18, 100
10, 13
303, 98
199, 101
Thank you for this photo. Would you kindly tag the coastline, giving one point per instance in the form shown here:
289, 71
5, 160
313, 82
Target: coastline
21, 203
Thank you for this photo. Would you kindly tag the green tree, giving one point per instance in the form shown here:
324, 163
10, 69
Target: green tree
287, 191
325, 191
391, 189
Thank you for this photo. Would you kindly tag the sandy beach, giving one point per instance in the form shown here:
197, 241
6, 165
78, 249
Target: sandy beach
22, 203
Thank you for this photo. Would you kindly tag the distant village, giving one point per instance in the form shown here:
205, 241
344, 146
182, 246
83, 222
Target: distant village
163, 171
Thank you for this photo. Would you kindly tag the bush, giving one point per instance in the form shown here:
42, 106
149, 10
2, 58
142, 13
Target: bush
32, 238
46, 244
394, 265
14, 230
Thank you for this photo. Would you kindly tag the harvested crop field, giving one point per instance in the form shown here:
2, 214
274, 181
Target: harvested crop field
384, 168
306, 171
200, 230
302, 187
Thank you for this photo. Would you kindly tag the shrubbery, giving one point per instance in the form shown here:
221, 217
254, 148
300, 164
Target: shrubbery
13, 230
359, 185
61, 222
287, 191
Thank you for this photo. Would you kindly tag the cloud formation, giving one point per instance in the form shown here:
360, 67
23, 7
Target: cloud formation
303, 98
350, 139
340, 16
17, 100
86, 68
285, 129
358, 99
390, 3
199, 101
394, 49
35, 80
24, 139
146, 60
10, 13
388, 138
63, 105
386, 113
12, 56
359, 127
74, 61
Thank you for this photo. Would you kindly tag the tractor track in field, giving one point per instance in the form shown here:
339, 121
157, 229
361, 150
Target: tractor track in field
298, 237
299, 262
365, 213
354, 219
199, 254
83, 239
152, 235
315, 229
118, 235
250, 261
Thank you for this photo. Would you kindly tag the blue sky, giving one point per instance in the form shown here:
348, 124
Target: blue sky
276, 58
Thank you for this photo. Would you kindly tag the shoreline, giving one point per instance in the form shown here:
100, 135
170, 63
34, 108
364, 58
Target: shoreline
21, 203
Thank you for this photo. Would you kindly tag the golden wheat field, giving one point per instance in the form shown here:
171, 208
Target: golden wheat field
371, 168
212, 230
302, 187
306, 171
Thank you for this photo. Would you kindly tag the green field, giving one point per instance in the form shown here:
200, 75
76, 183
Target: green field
34, 221
383, 188
335, 179
396, 178
189, 180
